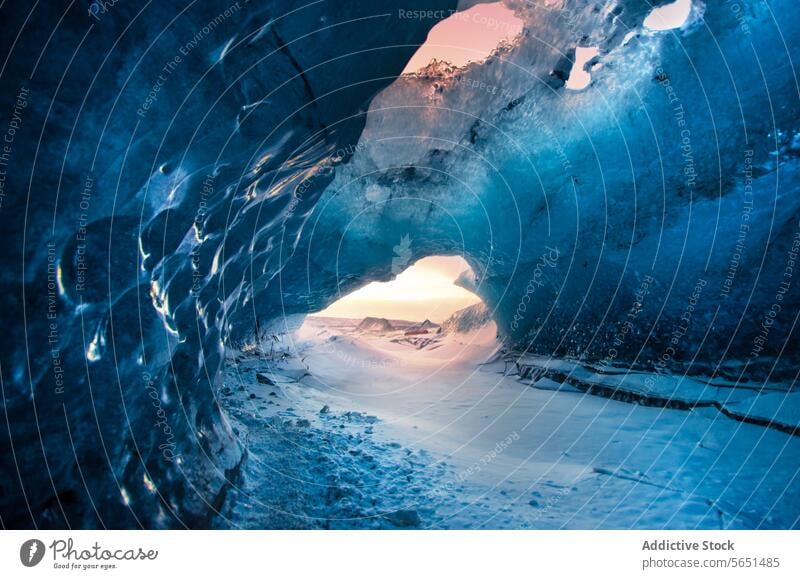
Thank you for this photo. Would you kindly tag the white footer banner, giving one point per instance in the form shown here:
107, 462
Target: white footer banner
378, 554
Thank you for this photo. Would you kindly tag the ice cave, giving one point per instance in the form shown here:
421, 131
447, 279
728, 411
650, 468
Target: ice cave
187, 187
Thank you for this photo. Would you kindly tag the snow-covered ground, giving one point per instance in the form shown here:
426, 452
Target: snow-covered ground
380, 429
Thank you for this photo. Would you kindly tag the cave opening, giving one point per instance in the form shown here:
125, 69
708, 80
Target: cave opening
427, 316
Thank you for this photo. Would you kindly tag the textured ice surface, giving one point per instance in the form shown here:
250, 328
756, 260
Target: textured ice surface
470, 318
191, 176
665, 177
169, 159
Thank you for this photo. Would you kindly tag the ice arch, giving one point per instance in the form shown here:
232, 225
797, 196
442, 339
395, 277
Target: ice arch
251, 187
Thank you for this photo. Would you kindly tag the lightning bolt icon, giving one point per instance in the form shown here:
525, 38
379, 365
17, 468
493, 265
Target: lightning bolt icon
32, 552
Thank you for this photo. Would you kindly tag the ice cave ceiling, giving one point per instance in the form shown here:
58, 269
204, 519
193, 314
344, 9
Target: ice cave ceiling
200, 171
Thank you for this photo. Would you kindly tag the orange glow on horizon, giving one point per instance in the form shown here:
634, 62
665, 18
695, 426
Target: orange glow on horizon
423, 291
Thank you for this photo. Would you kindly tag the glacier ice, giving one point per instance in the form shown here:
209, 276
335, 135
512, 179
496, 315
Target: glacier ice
188, 178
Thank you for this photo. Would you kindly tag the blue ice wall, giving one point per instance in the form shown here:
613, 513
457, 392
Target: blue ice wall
145, 134
188, 175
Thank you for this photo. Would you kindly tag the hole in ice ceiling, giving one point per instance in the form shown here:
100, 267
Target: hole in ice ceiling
468, 36
420, 317
669, 16
579, 77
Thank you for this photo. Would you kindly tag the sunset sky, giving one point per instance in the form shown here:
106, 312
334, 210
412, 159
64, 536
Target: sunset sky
424, 290
467, 36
